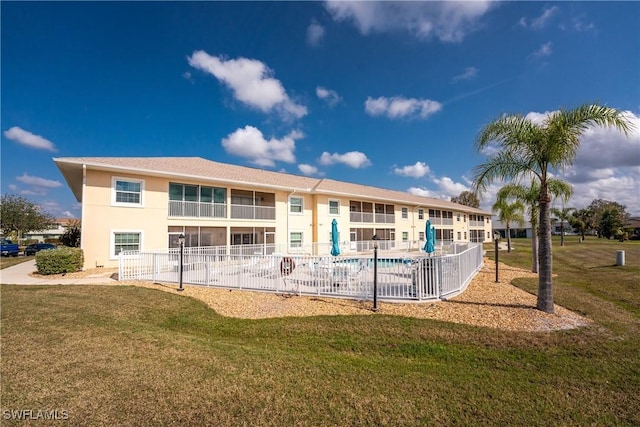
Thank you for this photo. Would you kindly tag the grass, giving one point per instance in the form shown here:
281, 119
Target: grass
9, 261
135, 356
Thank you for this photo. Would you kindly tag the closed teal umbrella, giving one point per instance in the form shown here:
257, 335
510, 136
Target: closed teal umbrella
335, 238
430, 235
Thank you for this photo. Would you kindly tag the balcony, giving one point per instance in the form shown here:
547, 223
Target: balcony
253, 212
179, 208
441, 221
476, 223
369, 217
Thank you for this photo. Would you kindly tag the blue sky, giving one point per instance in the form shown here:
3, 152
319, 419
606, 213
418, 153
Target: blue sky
383, 94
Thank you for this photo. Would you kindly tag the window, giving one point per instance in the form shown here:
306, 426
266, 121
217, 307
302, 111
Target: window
334, 207
405, 236
405, 213
125, 241
296, 205
465, 218
421, 235
420, 213
295, 239
458, 217
465, 235
189, 193
459, 235
127, 192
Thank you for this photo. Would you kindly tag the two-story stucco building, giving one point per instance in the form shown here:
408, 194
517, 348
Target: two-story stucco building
144, 203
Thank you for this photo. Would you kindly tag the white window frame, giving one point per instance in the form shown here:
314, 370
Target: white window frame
329, 206
405, 236
114, 192
404, 212
112, 240
301, 205
420, 213
301, 239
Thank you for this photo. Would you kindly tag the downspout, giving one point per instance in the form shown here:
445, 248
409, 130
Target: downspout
82, 206
288, 212
413, 225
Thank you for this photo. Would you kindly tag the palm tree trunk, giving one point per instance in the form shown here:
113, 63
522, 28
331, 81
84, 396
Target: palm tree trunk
534, 245
508, 239
545, 281
561, 233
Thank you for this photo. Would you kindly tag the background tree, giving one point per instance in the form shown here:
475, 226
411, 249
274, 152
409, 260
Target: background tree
528, 149
467, 198
608, 217
72, 233
20, 215
530, 196
509, 213
582, 220
563, 215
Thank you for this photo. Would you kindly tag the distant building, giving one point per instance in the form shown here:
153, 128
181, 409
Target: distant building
55, 231
633, 226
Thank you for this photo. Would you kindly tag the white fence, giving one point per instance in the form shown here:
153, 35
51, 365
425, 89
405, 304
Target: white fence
398, 278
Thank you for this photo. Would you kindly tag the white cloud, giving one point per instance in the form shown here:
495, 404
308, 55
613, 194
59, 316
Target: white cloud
38, 182
468, 74
250, 143
449, 187
29, 139
543, 50
448, 21
308, 169
446, 188
399, 107
331, 97
251, 82
424, 192
541, 21
354, 159
580, 25
315, 33
418, 170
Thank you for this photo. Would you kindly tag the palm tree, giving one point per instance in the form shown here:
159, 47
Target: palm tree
530, 197
508, 213
582, 220
562, 215
528, 149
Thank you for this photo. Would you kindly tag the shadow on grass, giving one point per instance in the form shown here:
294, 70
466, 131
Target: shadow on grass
491, 304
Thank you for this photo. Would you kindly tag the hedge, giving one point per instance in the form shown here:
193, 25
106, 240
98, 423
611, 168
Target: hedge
61, 260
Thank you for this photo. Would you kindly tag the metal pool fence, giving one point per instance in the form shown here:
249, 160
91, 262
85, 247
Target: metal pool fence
399, 278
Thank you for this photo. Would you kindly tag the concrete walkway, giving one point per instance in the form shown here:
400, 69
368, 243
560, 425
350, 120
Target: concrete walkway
19, 275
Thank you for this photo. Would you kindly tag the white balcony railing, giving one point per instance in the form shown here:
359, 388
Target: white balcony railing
180, 208
370, 217
441, 221
253, 212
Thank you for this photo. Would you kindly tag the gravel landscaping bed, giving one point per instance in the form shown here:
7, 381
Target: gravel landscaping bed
483, 303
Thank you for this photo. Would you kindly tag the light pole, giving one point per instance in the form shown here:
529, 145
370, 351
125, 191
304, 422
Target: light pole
375, 272
496, 238
181, 242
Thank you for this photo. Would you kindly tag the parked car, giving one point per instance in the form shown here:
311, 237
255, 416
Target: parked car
37, 247
9, 248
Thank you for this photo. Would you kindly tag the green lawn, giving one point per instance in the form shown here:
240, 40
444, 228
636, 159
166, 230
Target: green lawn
134, 356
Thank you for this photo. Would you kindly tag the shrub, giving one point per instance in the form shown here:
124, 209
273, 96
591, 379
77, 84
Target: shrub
61, 260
